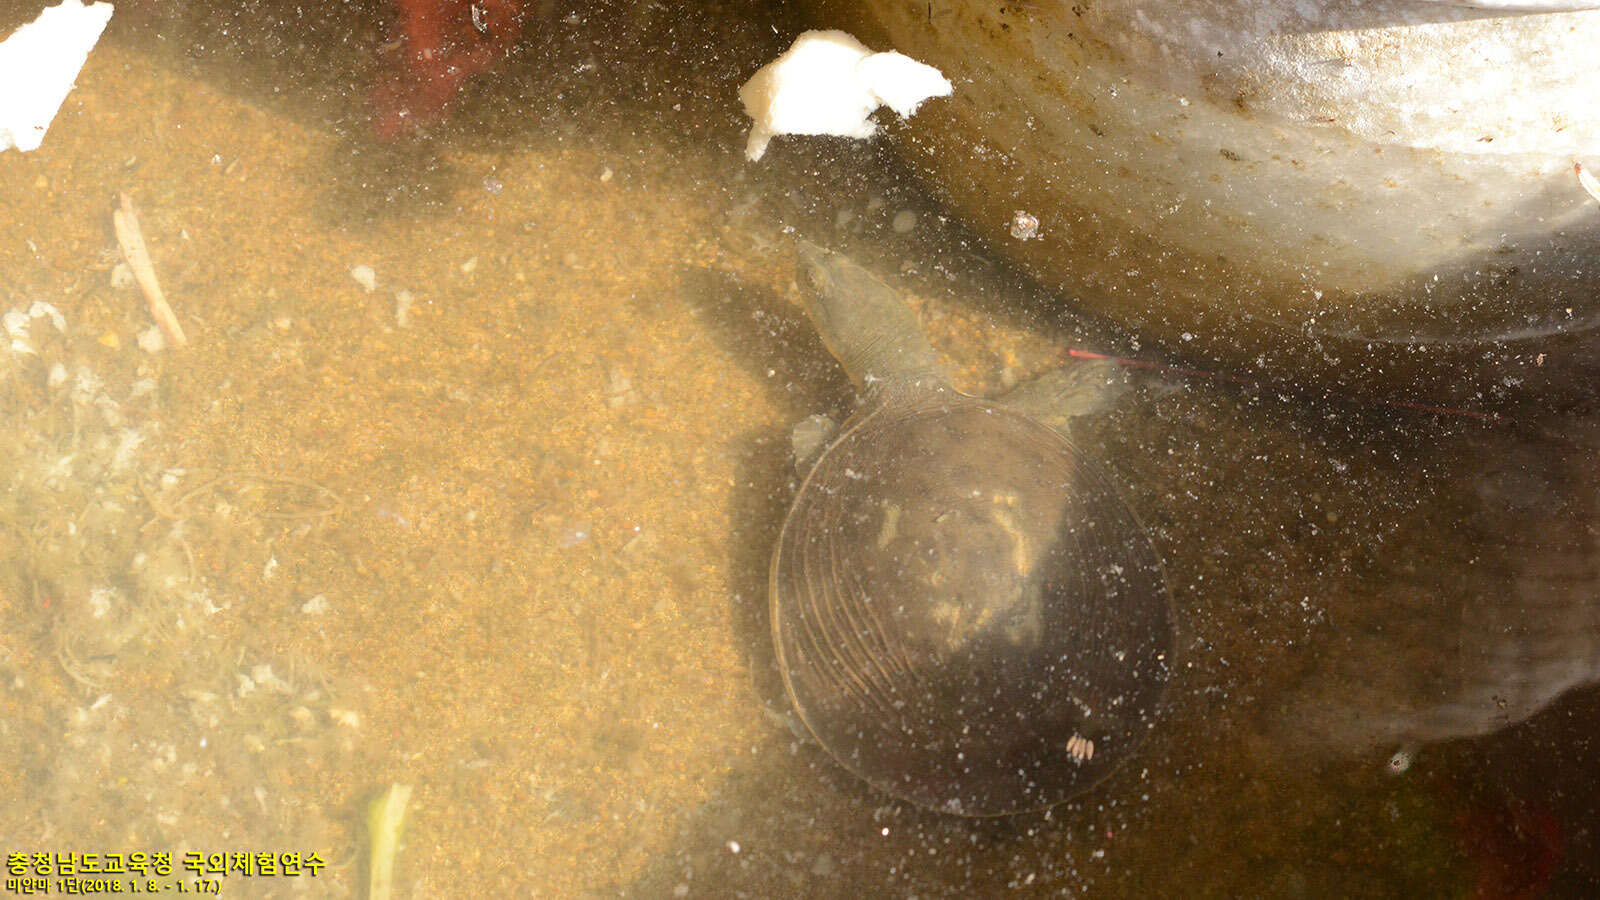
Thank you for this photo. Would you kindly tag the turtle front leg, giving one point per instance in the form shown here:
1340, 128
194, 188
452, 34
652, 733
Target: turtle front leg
1083, 388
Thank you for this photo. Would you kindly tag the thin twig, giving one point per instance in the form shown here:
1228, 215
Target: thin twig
131, 240
69, 664
334, 504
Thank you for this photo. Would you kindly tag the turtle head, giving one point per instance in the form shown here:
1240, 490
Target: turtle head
863, 322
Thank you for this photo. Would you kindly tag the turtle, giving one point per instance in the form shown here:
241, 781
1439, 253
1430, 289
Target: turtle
966, 612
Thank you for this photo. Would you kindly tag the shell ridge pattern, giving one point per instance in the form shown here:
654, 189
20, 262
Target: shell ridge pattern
858, 627
853, 636
875, 628
830, 630
836, 652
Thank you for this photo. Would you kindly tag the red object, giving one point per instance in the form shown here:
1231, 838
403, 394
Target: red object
1187, 372
446, 42
1515, 847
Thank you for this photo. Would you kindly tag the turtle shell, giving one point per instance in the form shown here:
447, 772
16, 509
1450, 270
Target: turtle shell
967, 614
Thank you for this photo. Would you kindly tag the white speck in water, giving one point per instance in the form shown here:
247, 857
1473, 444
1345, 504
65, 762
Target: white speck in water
1400, 761
1024, 225
39, 309
733, 846
574, 536
101, 600
128, 443
316, 606
263, 676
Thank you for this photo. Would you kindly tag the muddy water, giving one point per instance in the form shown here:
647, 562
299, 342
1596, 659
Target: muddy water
469, 475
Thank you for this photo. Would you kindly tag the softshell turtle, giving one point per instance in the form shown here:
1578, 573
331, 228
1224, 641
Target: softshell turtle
966, 612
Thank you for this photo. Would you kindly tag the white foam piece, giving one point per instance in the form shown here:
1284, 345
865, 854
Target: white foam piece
830, 83
39, 63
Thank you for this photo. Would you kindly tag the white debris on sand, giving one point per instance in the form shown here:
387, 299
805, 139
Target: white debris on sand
403, 301
151, 340
39, 63
366, 276
18, 322
830, 83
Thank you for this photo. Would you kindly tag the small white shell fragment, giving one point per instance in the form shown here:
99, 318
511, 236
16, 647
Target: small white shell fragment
39, 63
347, 718
365, 276
316, 606
829, 83
122, 276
